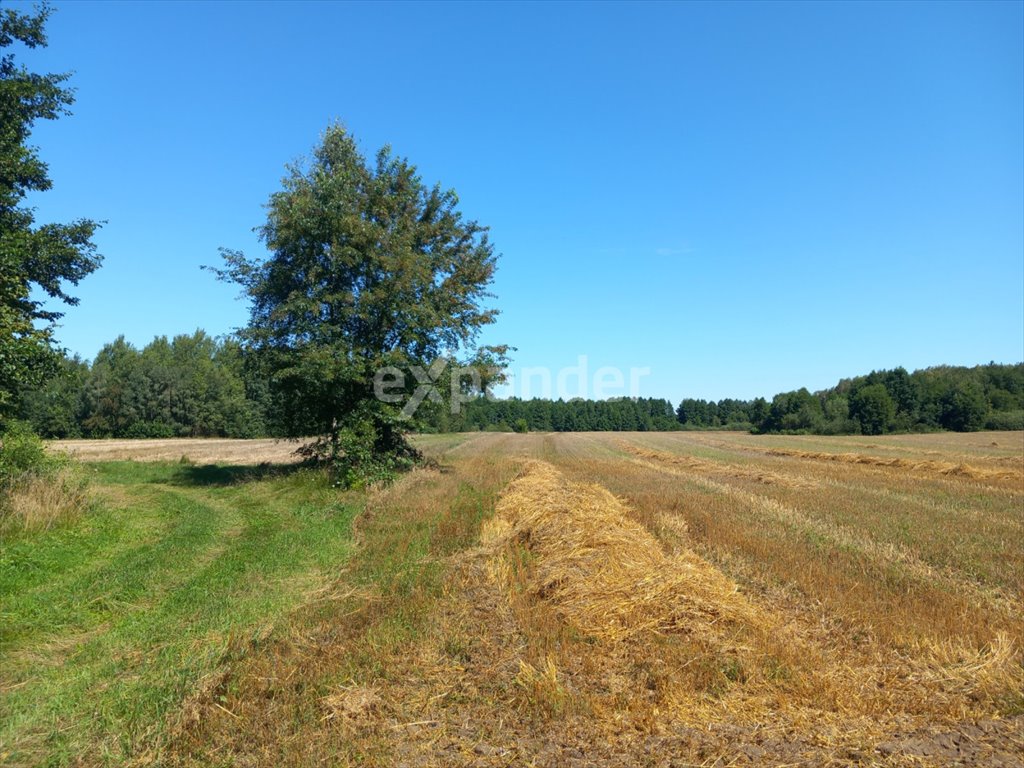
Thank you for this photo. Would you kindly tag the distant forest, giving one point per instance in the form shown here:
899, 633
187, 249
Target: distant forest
198, 386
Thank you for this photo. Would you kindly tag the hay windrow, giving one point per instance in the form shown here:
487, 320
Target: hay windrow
575, 547
736, 471
929, 466
604, 572
951, 469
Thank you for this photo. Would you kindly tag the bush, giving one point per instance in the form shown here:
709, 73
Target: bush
37, 491
840, 427
150, 430
738, 426
521, 426
369, 454
1005, 420
21, 452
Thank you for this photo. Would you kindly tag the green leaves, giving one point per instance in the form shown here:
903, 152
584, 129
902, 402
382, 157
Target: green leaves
189, 386
874, 408
370, 268
47, 256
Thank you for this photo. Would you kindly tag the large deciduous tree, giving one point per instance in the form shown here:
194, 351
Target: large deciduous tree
369, 269
32, 256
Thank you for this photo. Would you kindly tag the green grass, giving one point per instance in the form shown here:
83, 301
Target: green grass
107, 624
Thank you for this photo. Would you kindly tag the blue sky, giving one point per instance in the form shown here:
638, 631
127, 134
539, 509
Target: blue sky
744, 198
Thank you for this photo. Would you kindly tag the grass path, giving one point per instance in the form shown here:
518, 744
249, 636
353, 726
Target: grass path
109, 624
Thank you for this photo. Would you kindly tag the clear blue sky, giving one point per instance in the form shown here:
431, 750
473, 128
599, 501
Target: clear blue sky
744, 197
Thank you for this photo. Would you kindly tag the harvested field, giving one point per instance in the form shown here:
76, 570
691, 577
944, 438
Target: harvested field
656, 599
206, 450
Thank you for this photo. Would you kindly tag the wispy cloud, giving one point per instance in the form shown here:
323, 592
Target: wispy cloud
681, 251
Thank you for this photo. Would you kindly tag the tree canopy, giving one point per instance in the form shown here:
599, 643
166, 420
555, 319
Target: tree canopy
370, 269
46, 256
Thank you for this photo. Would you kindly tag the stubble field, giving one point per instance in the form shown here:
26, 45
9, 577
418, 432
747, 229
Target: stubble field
543, 599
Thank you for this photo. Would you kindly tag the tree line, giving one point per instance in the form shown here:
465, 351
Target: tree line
188, 386
195, 385
638, 414
954, 398
199, 386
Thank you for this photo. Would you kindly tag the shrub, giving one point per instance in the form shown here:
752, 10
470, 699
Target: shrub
150, 430
366, 455
1005, 420
37, 491
21, 452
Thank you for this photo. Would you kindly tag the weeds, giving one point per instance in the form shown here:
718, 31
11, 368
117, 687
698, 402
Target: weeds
37, 491
37, 502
